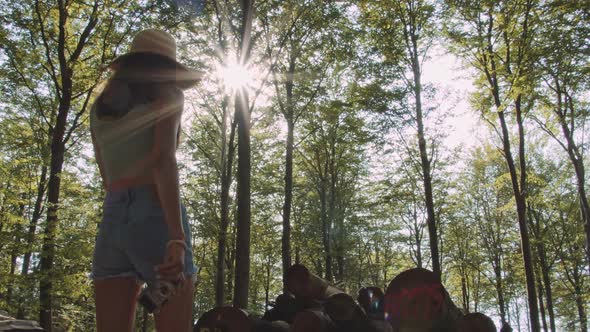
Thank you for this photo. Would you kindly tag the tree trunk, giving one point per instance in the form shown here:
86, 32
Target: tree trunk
326, 234
63, 86
50, 232
417, 238
522, 223
547, 284
578, 163
267, 283
542, 306
242, 273
581, 311
15, 250
565, 107
425, 161
521, 210
500, 289
580, 302
286, 236
37, 210
289, 117
225, 182
464, 294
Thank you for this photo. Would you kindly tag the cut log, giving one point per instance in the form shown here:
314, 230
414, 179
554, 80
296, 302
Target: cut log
226, 319
312, 321
261, 325
416, 299
306, 285
285, 308
342, 308
8, 323
476, 322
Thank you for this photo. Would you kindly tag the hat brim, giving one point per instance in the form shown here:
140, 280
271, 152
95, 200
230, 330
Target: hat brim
182, 76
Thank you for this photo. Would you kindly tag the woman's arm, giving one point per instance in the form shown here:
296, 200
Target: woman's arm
165, 169
98, 158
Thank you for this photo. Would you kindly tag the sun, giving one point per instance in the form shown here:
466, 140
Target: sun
234, 76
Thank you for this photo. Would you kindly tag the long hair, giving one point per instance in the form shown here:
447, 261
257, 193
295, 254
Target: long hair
138, 80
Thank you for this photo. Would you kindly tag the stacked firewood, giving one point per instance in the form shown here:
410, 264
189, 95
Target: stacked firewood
414, 301
8, 323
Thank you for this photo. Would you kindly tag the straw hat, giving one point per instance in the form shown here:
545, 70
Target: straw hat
152, 42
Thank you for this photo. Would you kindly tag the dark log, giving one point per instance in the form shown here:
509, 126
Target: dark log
224, 319
342, 307
476, 322
312, 321
261, 325
285, 308
416, 299
348, 316
306, 285
8, 323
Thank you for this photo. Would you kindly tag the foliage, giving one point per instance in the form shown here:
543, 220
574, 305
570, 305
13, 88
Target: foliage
341, 72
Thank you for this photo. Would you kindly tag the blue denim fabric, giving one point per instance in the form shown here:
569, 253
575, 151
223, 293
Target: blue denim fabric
132, 236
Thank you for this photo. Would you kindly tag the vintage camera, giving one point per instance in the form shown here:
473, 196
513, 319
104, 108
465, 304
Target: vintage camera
157, 293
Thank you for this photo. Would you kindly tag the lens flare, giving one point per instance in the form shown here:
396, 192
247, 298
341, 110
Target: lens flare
234, 76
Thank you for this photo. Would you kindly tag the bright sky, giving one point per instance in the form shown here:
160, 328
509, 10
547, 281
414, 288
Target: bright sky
445, 72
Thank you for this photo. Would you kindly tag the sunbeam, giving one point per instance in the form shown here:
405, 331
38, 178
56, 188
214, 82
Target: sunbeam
235, 76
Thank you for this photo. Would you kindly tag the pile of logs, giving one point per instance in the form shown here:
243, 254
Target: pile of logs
415, 300
8, 323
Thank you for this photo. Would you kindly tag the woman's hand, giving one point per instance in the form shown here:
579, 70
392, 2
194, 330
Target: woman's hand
173, 267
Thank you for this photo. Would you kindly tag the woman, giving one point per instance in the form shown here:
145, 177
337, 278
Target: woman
144, 235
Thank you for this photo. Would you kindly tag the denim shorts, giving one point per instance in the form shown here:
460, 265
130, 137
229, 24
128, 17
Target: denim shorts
132, 236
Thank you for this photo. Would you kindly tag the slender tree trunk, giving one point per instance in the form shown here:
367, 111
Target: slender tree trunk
524, 235
242, 272
50, 232
542, 306
267, 283
37, 210
425, 161
464, 295
64, 95
581, 310
289, 117
565, 112
580, 303
230, 264
242, 276
519, 189
547, 283
521, 211
3, 217
417, 239
326, 233
16, 247
286, 236
225, 181
578, 164
500, 289
13, 256
476, 297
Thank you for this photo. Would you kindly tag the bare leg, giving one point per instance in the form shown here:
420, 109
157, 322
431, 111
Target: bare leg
115, 300
177, 314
